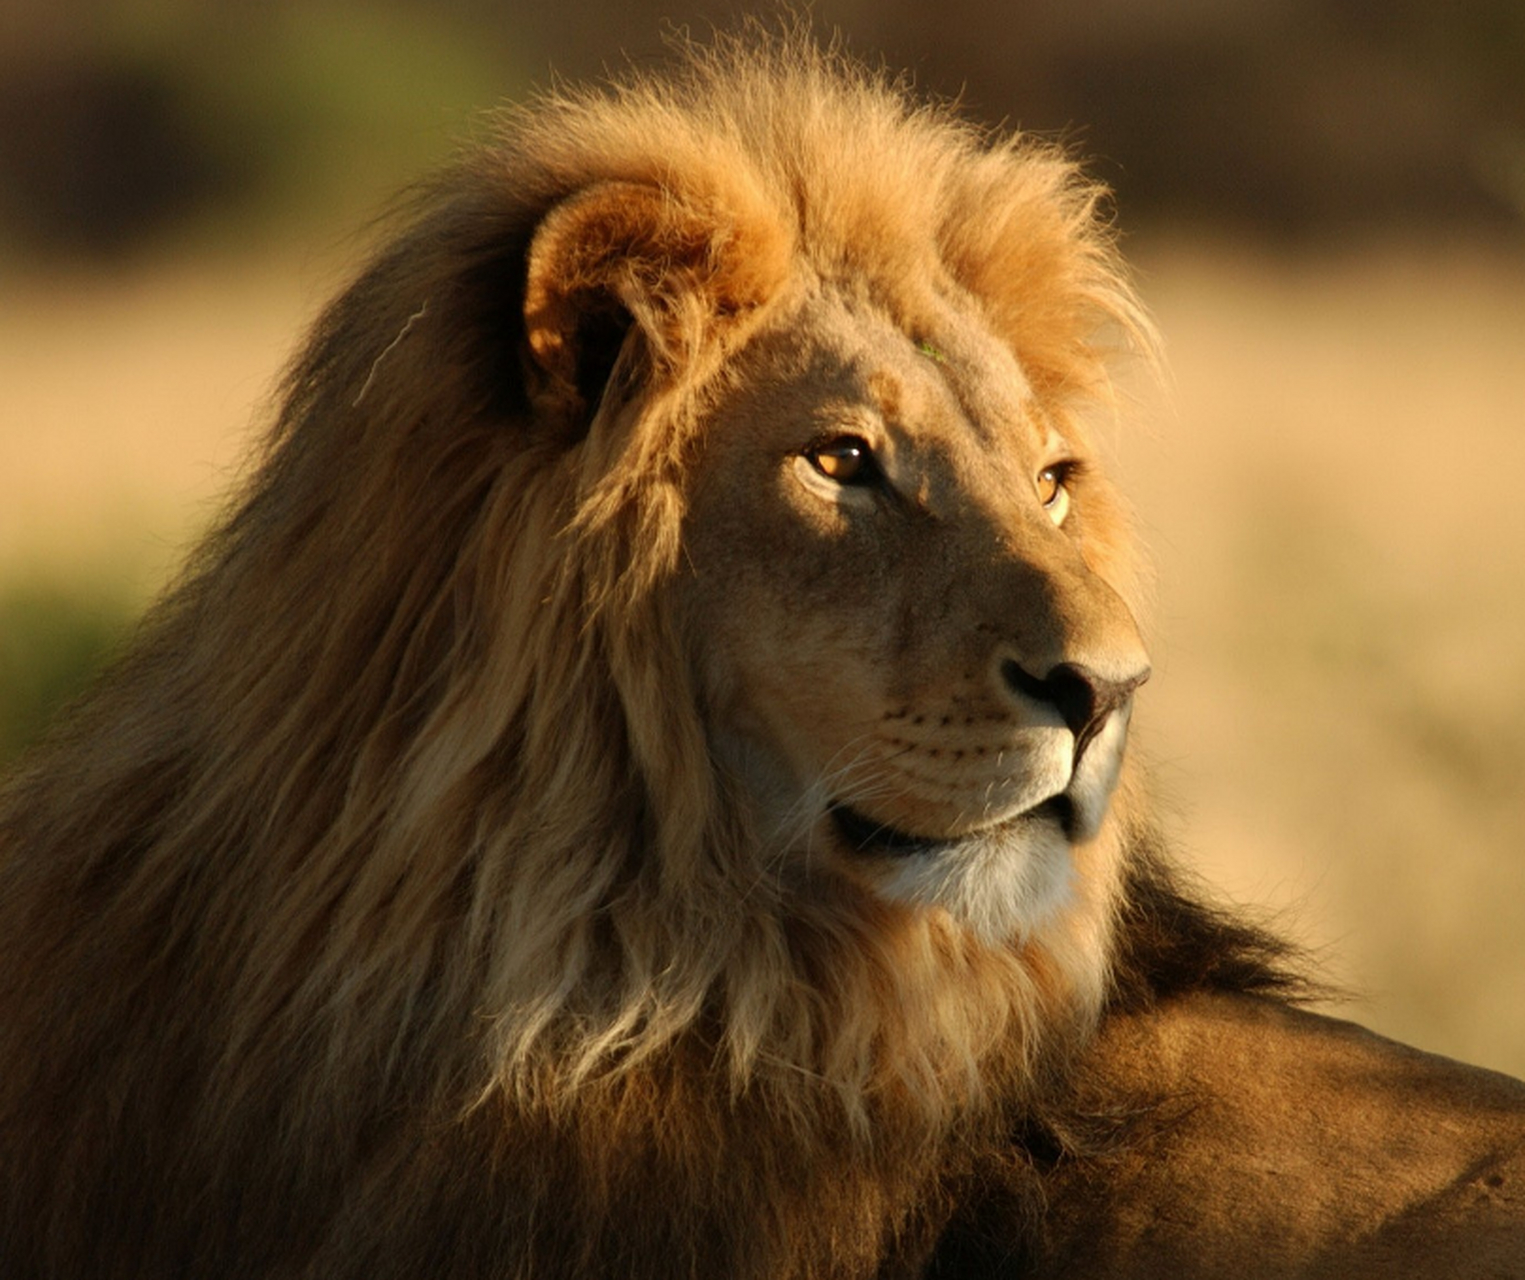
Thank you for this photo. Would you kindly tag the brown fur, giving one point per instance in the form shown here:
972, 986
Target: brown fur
394, 907
1230, 1135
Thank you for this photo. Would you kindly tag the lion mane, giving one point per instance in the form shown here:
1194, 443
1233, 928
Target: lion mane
388, 908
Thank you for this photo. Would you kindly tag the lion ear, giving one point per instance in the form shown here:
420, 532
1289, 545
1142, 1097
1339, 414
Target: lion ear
623, 256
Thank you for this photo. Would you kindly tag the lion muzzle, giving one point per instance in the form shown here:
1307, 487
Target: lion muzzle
1083, 697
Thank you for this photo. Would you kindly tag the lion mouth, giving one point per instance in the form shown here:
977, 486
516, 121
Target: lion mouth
868, 836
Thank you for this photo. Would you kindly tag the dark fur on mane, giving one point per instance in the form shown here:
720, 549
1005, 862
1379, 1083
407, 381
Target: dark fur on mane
1173, 941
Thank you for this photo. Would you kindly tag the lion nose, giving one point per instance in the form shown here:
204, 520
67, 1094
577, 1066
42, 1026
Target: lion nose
1083, 697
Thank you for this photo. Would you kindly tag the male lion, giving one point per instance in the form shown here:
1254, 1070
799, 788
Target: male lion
636, 787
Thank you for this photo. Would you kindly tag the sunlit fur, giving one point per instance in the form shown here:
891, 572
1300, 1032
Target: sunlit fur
385, 910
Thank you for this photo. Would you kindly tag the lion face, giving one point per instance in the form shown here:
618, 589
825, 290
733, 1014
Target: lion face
914, 662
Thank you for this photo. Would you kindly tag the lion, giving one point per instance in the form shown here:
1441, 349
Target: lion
637, 785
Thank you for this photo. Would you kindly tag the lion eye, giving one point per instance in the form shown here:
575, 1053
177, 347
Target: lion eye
846, 459
1053, 493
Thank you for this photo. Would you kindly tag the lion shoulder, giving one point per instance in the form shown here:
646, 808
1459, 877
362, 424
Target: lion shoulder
1338, 1152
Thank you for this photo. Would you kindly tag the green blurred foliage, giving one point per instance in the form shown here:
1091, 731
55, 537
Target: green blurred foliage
53, 639
338, 102
162, 120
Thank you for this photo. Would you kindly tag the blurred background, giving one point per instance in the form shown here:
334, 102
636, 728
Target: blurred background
1325, 201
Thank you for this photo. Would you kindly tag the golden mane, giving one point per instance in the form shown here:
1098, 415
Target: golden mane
408, 782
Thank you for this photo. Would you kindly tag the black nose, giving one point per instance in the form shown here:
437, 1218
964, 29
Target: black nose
1083, 698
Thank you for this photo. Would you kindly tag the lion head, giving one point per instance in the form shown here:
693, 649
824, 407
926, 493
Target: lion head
678, 645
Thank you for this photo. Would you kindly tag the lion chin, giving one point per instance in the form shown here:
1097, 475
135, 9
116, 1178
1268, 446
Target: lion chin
1013, 874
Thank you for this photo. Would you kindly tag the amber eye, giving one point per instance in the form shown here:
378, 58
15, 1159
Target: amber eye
1053, 492
845, 459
